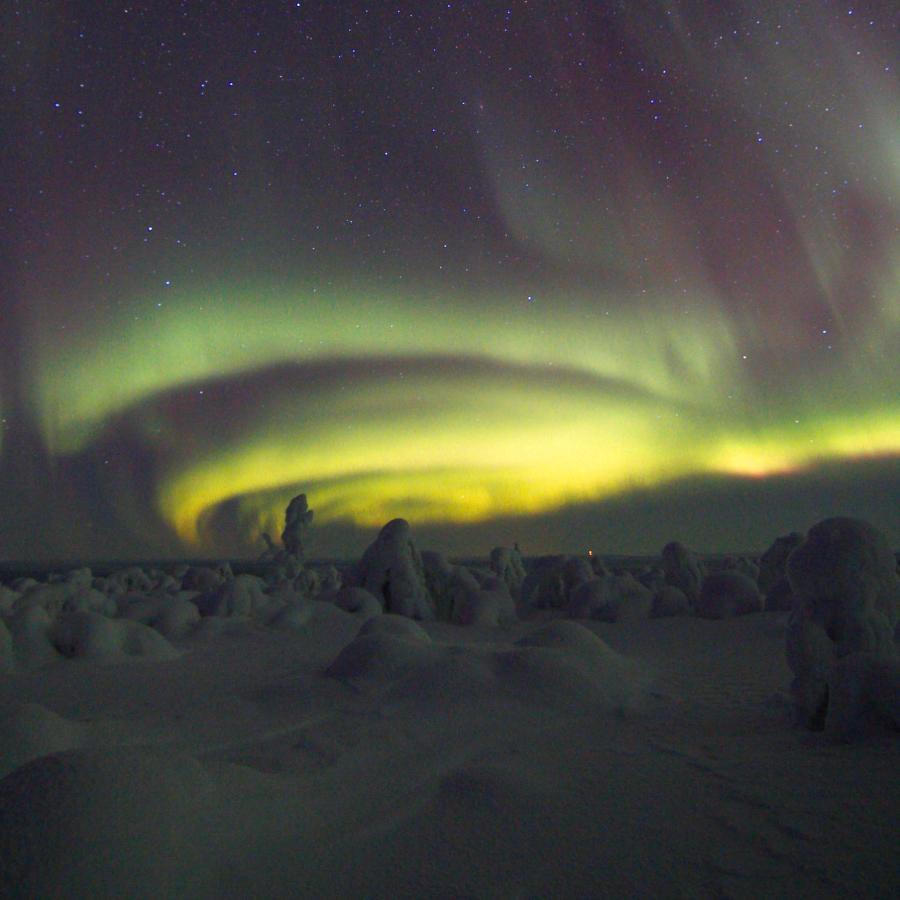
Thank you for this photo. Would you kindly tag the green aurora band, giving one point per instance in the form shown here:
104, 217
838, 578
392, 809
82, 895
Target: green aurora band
508, 409
636, 303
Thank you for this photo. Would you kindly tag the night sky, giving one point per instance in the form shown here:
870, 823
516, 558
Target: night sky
569, 273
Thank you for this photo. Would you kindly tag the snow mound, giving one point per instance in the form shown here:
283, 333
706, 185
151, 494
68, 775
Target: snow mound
479, 608
306, 582
176, 618
569, 636
131, 578
23, 584
437, 569
575, 571
138, 607
355, 600
545, 587
64, 597
631, 599
7, 657
28, 730
210, 628
8, 599
772, 579
395, 626
83, 577
669, 601
328, 616
172, 616
454, 675
30, 631
864, 695
743, 564
845, 575
610, 598
591, 600
380, 656
88, 635
391, 569
562, 665
303, 615
565, 665
298, 518
238, 596
447, 584
652, 577
292, 617
554, 580
201, 579
385, 648
846, 600
330, 578
682, 570
507, 564
105, 824
726, 594
780, 597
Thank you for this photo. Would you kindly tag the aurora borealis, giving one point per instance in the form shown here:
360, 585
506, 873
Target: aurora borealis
539, 270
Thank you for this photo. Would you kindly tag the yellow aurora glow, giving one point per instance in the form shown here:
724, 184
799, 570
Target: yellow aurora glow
427, 413
576, 286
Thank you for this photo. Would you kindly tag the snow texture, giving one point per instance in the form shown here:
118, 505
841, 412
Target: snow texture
772, 579
355, 600
98, 824
174, 617
554, 580
7, 658
291, 616
88, 635
238, 596
847, 600
30, 631
391, 569
728, 593
682, 570
669, 601
29, 730
298, 745
508, 565
863, 695
609, 598
297, 522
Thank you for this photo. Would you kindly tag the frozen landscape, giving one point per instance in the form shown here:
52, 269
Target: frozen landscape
577, 323
407, 727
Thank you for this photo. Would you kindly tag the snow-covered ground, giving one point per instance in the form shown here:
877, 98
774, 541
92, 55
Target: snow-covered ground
549, 758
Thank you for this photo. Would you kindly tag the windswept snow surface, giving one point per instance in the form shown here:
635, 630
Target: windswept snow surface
642, 758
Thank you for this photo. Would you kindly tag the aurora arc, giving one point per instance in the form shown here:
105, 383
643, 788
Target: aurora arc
625, 249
